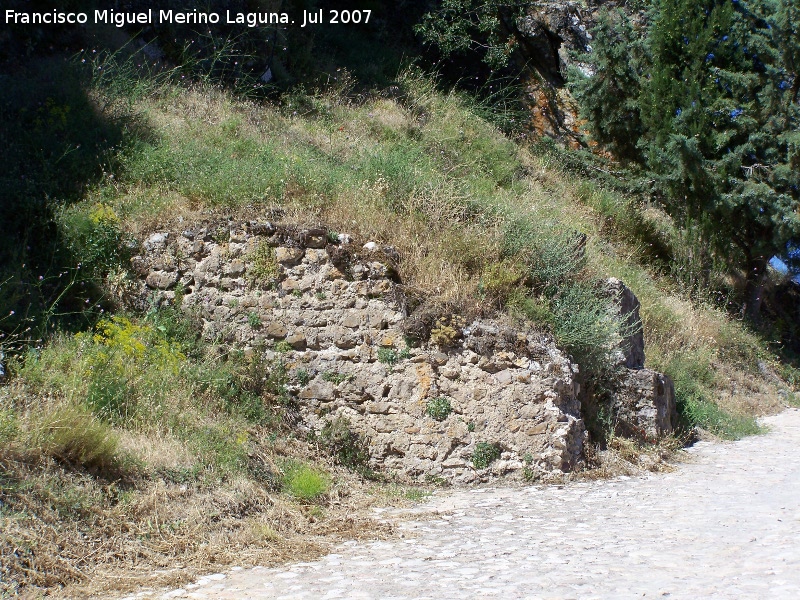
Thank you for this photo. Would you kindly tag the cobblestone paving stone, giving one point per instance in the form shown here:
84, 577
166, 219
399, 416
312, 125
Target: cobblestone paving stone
726, 524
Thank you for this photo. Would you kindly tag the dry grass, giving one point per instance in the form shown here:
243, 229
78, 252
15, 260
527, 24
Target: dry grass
63, 528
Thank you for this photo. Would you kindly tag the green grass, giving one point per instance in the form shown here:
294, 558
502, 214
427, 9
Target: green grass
304, 482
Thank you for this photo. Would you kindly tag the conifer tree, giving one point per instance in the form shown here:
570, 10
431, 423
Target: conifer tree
719, 124
609, 99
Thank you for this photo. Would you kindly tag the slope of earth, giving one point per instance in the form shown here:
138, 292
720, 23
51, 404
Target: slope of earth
723, 526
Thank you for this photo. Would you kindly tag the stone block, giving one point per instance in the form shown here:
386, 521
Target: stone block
644, 404
161, 280
289, 256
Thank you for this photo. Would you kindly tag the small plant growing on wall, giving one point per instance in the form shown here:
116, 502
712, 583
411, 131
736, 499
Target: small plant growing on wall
264, 269
283, 347
335, 377
303, 376
387, 356
484, 454
439, 408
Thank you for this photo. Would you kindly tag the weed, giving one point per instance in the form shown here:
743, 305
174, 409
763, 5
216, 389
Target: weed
335, 377
74, 436
485, 454
535, 309
350, 450
180, 293
282, 347
297, 293
438, 408
304, 482
500, 280
447, 332
332, 237
302, 376
264, 268
254, 320
387, 356
528, 472
320, 296
222, 234
436, 480
471, 426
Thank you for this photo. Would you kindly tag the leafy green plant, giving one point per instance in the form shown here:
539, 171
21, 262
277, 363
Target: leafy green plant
320, 296
282, 347
485, 454
387, 356
254, 320
528, 472
438, 408
303, 376
297, 293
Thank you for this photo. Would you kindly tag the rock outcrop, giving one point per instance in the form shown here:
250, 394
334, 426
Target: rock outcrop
331, 312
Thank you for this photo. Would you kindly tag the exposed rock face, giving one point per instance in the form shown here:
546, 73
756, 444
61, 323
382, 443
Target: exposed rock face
332, 315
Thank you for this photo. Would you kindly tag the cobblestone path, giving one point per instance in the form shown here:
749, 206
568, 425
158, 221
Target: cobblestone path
724, 525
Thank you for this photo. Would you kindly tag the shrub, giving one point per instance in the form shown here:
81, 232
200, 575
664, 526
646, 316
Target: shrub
586, 326
304, 482
553, 255
485, 454
350, 450
438, 408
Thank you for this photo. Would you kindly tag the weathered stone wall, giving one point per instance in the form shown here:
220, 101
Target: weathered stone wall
333, 316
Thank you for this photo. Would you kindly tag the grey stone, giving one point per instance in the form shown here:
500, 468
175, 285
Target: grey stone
161, 280
644, 404
631, 348
289, 256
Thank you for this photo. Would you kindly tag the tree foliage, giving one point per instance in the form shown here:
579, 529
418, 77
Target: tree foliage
714, 92
483, 26
609, 99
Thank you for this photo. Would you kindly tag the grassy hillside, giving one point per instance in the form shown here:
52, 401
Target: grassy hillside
129, 444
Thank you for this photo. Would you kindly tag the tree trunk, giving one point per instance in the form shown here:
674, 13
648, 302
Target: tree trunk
754, 288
